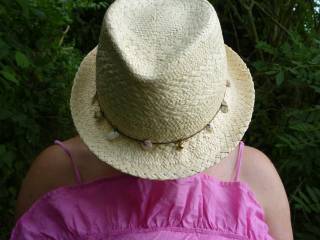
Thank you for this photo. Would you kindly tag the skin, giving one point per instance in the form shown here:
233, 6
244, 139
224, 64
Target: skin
53, 169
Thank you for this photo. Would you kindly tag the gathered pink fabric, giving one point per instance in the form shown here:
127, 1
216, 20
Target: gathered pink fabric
199, 207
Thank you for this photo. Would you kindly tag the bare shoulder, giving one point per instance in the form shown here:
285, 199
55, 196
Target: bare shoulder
52, 168
259, 173
49, 170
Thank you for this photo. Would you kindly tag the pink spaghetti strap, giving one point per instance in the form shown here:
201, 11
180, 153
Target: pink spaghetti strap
75, 169
238, 162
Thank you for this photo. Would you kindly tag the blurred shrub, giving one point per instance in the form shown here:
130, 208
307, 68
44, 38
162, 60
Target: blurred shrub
41, 46
36, 70
280, 42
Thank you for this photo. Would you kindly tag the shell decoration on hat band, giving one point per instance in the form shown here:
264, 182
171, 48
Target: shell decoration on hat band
148, 144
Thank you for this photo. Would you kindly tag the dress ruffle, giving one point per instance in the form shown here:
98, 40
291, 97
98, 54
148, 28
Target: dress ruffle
126, 207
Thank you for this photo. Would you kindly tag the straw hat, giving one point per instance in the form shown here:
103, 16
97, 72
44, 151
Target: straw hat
162, 96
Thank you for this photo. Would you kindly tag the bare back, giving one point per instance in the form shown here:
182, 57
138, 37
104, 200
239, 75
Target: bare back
255, 169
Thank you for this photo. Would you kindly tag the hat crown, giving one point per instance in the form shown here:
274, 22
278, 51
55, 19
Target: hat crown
161, 67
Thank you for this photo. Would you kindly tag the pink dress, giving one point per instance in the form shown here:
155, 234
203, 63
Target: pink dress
199, 207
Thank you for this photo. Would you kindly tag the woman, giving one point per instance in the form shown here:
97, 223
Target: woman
161, 106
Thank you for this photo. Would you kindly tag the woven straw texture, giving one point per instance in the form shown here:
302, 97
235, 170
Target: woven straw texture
160, 73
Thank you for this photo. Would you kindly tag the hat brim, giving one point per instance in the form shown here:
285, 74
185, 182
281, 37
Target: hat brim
164, 161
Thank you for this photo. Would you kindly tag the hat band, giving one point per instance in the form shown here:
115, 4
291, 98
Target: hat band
99, 115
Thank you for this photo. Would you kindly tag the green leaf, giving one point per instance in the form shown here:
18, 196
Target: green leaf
286, 48
265, 47
5, 114
24, 5
22, 60
271, 72
279, 78
313, 194
315, 60
301, 204
293, 71
4, 49
3, 45
2, 149
303, 127
10, 76
7, 159
304, 198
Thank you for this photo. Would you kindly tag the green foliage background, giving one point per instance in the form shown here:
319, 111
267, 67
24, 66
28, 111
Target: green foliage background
43, 42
